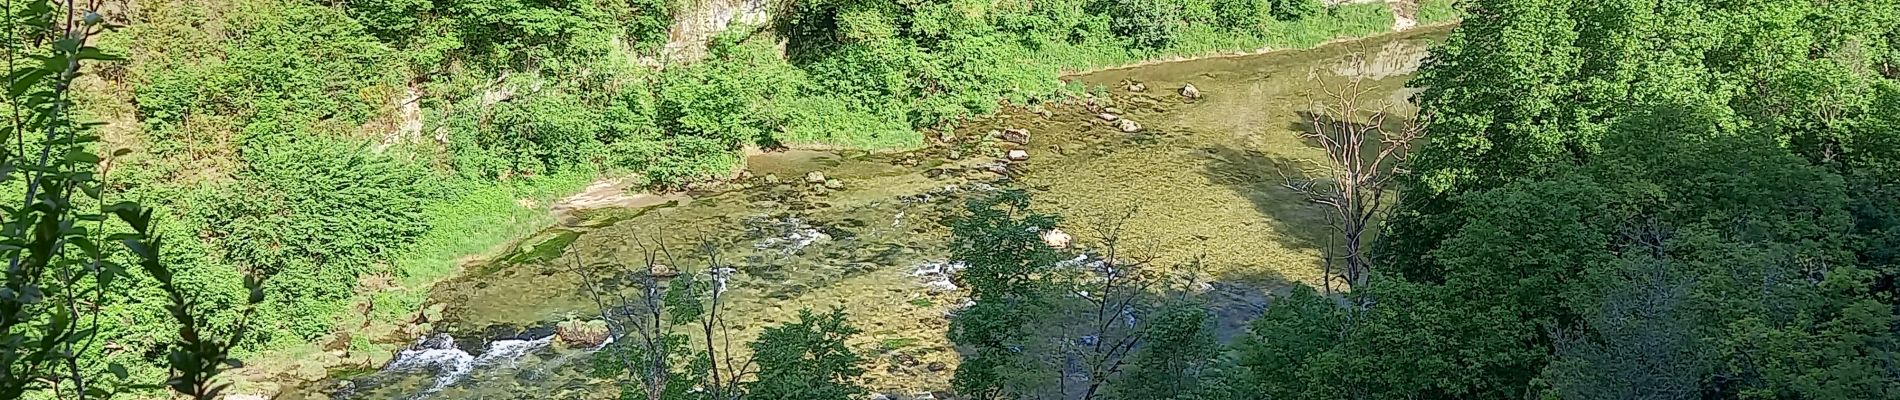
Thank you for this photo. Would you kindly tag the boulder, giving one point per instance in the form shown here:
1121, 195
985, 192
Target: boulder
1191, 92
1137, 87
576, 333
771, 179
1018, 155
1057, 238
1016, 135
814, 177
1129, 126
434, 312
1112, 110
834, 184
1108, 117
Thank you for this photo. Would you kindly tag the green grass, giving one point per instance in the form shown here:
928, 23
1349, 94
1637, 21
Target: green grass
1436, 11
480, 217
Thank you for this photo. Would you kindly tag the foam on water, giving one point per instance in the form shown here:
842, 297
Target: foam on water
438, 354
936, 274
435, 353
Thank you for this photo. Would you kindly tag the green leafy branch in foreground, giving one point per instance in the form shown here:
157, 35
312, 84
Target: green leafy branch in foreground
58, 276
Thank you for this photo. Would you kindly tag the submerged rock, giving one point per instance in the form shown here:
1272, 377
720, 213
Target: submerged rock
1129, 126
1016, 135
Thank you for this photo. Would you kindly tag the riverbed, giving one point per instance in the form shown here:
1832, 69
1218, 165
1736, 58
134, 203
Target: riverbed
1199, 184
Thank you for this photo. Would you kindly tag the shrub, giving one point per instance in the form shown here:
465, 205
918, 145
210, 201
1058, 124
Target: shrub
1148, 24
1294, 10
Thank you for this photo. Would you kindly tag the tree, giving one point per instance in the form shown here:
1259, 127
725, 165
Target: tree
1363, 160
807, 359
998, 240
1178, 353
658, 361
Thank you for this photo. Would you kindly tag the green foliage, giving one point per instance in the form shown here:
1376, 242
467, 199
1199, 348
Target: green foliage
807, 359
313, 216
998, 239
1619, 201
1149, 24
1180, 349
1293, 10
66, 269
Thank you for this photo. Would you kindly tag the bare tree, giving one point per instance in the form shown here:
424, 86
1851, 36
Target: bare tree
1363, 156
646, 327
1113, 288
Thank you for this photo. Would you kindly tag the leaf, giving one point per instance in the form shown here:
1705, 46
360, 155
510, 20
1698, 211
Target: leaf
93, 53
117, 370
24, 80
81, 156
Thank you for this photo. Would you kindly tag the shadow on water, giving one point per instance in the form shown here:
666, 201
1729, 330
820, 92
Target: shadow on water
1258, 177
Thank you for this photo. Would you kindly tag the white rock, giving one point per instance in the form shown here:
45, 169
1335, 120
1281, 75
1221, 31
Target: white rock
1129, 126
1056, 238
1018, 155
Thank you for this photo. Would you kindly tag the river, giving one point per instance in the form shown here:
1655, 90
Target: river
1200, 181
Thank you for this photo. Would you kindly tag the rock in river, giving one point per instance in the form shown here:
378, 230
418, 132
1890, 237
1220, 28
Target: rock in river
1108, 117
577, 333
1129, 126
814, 177
1191, 92
1018, 155
1016, 135
1056, 238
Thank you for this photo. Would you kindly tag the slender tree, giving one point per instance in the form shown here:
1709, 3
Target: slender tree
1365, 146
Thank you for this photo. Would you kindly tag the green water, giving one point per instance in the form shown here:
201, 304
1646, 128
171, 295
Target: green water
1200, 178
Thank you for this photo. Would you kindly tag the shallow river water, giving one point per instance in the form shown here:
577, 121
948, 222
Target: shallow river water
1200, 181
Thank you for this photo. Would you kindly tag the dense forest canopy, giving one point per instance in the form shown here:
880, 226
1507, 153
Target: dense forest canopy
1615, 199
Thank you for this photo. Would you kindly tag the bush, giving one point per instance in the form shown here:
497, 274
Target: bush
1148, 24
1294, 10
312, 215
1248, 16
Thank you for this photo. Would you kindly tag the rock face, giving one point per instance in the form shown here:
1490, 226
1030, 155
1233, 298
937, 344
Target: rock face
695, 24
1018, 155
1129, 126
576, 333
1016, 135
1057, 238
1191, 92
